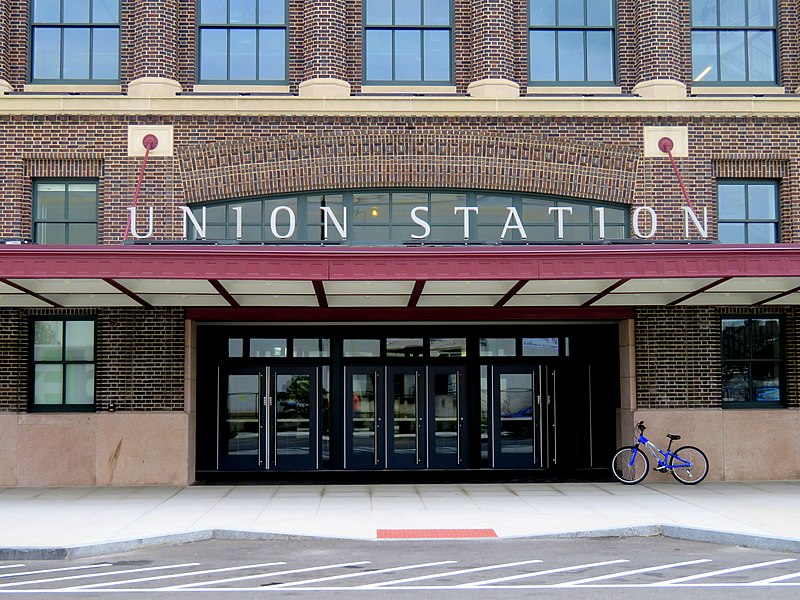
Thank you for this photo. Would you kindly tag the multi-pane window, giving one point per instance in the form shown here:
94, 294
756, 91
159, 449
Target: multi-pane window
408, 41
751, 361
242, 41
65, 212
75, 41
747, 212
62, 364
571, 42
734, 41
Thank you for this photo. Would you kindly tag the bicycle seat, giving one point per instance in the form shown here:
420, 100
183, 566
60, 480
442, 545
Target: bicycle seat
672, 436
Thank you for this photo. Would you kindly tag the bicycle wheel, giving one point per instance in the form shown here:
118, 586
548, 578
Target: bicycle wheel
630, 465
689, 475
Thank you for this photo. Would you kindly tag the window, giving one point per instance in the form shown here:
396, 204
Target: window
62, 364
733, 42
242, 42
747, 212
75, 41
751, 362
65, 212
407, 41
571, 42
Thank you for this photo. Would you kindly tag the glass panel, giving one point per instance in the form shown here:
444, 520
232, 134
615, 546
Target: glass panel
46, 11
704, 12
731, 233
82, 202
242, 421
735, 342
516, 413
311, 348
408, 55
378, 12
448, 347
79, 341
357, 348
570, 12
235, 348
243, 54
404, 419
437, 56
571, 56
442, 208
761, 233
51, 233
47, 386
370, 209
436, 12
82, 233
242, 12
105, 53
484, 415
213, 54
704, 56
761, 13
50, 202
445, 413
731, 51
271, 12
214, 11
766, 334
540, 346
543, 55
326, 415
761, 201
731, 200
735, 382
364, 414
105, 11
80, 384
732, 13
76, 60
600, 13
46, 53
48, 340
761, 55
268, 347
543, 12
407, 12
405, 347
293, 415
76, 11
272, 55
498, 347
403, 202
600, 56
378, 50
766, 382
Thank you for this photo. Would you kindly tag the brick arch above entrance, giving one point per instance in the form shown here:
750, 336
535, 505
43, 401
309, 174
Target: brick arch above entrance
289, 164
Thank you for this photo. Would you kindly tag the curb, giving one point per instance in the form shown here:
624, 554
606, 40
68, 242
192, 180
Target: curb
117, 547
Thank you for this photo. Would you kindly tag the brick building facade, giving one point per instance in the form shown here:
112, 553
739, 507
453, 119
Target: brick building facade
667, 319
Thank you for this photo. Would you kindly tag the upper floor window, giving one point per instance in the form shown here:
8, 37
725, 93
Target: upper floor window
62, 364
571, 42
242, 41
408, 41
751, 361
747, 212
65, 212
75, 41
734, 41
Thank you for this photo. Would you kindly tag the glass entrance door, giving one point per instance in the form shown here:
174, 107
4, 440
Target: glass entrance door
405, 424
241, 426
447, 411
516, 417
364, 409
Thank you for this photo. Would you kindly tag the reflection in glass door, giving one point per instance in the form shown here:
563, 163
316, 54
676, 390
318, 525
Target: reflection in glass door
406, 419
516, 418
241, 426
292, 421
364, 409
446, 412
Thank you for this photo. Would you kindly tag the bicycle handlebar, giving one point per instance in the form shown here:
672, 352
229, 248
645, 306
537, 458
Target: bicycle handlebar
640, 426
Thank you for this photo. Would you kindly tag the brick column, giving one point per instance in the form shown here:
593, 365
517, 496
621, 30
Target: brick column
154, 37
325, 54
493, 49
5, 40
661, 48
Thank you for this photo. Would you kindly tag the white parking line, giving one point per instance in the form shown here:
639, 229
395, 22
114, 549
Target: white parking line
260, 575
448, 574
104, 574
364, 573
633, 572
10, 566
725, 571
539, 573
173, 576
776, 579
39, 572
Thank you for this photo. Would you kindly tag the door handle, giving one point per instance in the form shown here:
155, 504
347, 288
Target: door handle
376, 418
458, 417
416, 411
260, 425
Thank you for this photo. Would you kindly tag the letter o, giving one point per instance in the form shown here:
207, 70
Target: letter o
273, 222
653, 222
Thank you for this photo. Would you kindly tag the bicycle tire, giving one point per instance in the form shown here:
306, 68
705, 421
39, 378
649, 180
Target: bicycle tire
689, 475
628, 473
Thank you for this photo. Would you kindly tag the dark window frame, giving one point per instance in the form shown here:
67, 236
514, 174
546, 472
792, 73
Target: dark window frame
585, 28
228, 27
32, 363
746, 183
62, 26
35, 221
749, 360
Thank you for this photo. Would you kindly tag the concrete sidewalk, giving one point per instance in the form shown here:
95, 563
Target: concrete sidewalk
72, 522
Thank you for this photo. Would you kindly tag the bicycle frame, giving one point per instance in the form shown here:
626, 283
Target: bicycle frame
663, 465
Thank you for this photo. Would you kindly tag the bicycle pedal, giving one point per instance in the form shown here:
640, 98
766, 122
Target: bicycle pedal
660, 469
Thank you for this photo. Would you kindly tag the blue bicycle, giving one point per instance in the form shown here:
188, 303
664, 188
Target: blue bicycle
687, 464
